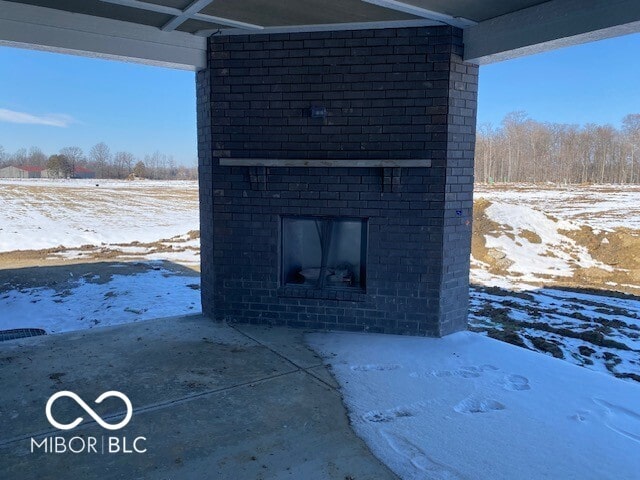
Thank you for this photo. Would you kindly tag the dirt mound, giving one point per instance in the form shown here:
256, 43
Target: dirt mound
483, 225
616, 248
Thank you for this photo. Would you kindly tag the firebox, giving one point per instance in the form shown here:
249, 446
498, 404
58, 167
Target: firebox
324, 253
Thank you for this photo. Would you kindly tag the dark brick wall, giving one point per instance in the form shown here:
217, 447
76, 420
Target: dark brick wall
205, 179
458, 201
389, 94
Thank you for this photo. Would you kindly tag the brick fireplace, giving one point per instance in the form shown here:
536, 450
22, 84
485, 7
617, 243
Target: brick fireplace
336, 178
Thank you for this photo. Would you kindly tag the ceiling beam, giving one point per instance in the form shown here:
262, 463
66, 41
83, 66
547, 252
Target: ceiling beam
226, 22
193, 8
151, 7
325, 27
176, 12
550, 25
422, 12
40, 28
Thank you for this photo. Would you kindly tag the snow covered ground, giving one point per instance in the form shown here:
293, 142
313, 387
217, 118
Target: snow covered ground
470, 407
546, 252
545, 278
603, 207
181, 249
93, 300
40, 214
595, 331
103, 223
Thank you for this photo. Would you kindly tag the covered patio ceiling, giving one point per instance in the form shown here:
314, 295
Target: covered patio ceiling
172, 32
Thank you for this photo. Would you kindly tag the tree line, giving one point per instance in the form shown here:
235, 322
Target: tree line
520, 149
100, 159
525, 150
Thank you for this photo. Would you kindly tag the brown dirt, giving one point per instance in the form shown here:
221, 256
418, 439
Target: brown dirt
619, 250
91, 254
531, 236
483, 225
64, 276
544, 345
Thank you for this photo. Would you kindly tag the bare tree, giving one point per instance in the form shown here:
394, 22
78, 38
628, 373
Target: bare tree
19, 157
123, 164
524, 150
100, 155
75, 156
631, 131
106, 165
36, 157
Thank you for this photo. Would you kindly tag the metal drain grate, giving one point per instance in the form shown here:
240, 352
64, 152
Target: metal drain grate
20, 333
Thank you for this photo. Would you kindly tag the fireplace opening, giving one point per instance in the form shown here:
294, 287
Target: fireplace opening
324, 252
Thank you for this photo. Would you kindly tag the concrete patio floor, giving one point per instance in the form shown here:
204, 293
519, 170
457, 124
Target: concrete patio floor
212, 401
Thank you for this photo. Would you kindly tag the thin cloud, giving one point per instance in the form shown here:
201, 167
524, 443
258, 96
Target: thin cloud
49, 119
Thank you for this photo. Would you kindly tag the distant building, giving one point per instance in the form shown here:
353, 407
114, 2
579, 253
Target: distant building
82, 172
21, 172
41, 172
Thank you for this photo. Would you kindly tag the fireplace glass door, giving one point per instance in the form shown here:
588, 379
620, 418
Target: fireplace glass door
324, 253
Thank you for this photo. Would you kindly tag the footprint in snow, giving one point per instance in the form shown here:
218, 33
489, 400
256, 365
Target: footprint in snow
377, 416
422, 462
374, 367
516, 383
401, 411
478, 404
463, 372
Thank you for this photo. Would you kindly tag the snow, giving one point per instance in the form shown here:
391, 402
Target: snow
40, 214
529, 303
179, 251
186, 257
555, 254
89, 303
603, 207
467, 407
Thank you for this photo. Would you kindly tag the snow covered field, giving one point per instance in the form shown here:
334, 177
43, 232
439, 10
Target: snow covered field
124, 216
130, 239
603, 207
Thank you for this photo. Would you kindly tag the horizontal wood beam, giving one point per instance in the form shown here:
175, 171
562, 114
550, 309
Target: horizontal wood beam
341, 163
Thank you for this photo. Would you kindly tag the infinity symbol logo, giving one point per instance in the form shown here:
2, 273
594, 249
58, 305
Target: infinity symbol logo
89, 410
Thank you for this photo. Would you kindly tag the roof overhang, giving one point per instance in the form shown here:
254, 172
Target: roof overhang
550, 25
49, 29
172, 33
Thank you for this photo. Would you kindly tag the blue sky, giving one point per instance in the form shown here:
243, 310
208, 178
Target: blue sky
52, 101
590, 83
130, 107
